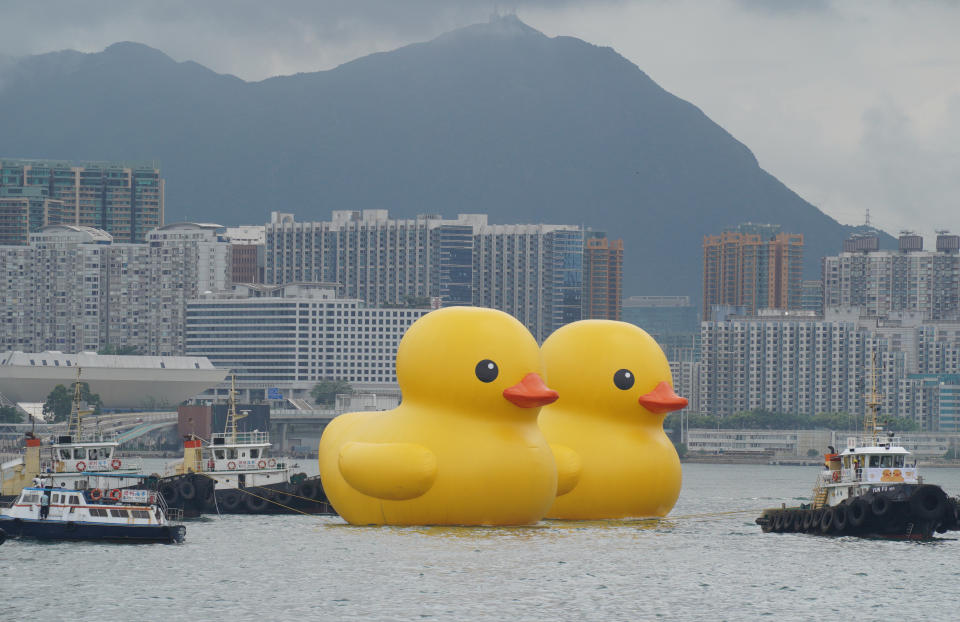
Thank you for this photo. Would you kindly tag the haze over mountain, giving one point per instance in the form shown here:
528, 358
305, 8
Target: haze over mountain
494, 118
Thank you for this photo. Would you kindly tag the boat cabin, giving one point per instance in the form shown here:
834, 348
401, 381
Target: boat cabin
874, 460
83, 456
82, 506
243, 451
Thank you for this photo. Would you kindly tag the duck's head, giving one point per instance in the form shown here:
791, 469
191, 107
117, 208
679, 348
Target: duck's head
611, 368
475, 360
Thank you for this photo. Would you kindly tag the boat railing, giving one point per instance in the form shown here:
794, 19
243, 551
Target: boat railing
880, 440
241, 438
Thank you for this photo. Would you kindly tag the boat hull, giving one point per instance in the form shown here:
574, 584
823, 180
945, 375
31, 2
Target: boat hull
69, 530
914, 512
195, 494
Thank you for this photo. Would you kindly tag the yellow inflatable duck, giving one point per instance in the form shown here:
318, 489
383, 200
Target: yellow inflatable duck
613, 458
463, 447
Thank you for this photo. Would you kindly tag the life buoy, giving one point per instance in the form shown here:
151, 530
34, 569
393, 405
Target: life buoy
231, 465
272, 462
262, 464
836, 476
115, 494
96, 494
115, 463
81, 466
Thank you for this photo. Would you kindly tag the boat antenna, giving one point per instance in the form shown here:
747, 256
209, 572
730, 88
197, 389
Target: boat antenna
872, 400
232, 416
78, 410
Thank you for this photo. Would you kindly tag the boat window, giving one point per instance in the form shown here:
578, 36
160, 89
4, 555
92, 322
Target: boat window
874, 461
886, 461
106, 452
254, 453
30, 498
75, 500
79, 453
56, 499
98, 512
140, 514
64, 454
119, 514
218, 454
846, 462
232, 454
93, 454
898, 461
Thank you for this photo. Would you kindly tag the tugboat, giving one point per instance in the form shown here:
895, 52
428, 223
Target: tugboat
871, 488
242, 476
49, 513
85, 460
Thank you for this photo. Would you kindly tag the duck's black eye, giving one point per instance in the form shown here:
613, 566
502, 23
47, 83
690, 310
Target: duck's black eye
487, 370
623, 379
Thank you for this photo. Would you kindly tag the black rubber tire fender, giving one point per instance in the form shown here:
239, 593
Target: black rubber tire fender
858, 512
170, 493
927, 502
308, 489
807, 520
256, 504
826, 521
230, 501
777, 521
880, 506
187, 490
840, 518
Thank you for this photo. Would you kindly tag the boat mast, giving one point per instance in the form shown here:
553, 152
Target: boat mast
78, 410
232, 416
873, 401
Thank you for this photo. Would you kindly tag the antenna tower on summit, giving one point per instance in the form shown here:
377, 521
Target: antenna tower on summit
867, 223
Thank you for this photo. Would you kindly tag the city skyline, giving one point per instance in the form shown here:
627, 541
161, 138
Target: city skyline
888, 132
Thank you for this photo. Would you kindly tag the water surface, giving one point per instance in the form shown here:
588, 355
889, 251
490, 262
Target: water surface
688, 566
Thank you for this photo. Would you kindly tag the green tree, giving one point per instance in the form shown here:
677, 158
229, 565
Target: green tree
681, 449
325, 392
60, 401
10, 414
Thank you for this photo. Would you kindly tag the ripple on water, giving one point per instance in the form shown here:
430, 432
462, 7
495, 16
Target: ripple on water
289, 567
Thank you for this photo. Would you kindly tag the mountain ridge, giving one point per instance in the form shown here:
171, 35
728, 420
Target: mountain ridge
495, 118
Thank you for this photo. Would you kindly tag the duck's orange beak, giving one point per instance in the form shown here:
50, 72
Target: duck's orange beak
662, 400
531, 392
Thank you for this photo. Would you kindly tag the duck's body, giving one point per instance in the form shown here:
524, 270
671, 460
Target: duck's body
626, 465
459, 450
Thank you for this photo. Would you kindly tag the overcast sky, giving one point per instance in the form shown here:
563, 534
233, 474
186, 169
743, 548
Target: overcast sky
853, 105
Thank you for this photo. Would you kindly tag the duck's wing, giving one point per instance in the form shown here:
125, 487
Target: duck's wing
393, 471
569, 466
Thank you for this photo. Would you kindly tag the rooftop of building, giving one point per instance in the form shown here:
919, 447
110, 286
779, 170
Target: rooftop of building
54, 358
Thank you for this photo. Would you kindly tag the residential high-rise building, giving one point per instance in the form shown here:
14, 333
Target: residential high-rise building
290, 337
671, 320
602, 277
534, 272
24, 210
755, 266
798, 362
885, 281
73, 289
125, 200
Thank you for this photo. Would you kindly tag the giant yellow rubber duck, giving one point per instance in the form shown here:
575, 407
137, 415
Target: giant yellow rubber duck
463, 447
613, 457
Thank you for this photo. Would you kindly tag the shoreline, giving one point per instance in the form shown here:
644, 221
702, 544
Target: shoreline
790, 461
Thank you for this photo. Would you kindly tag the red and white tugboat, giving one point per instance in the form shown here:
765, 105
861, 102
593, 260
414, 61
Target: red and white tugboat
871, 488
246, 478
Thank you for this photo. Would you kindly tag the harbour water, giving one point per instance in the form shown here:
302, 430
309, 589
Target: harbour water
702, 563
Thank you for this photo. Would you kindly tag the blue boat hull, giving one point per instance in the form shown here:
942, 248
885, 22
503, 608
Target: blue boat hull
69, 530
